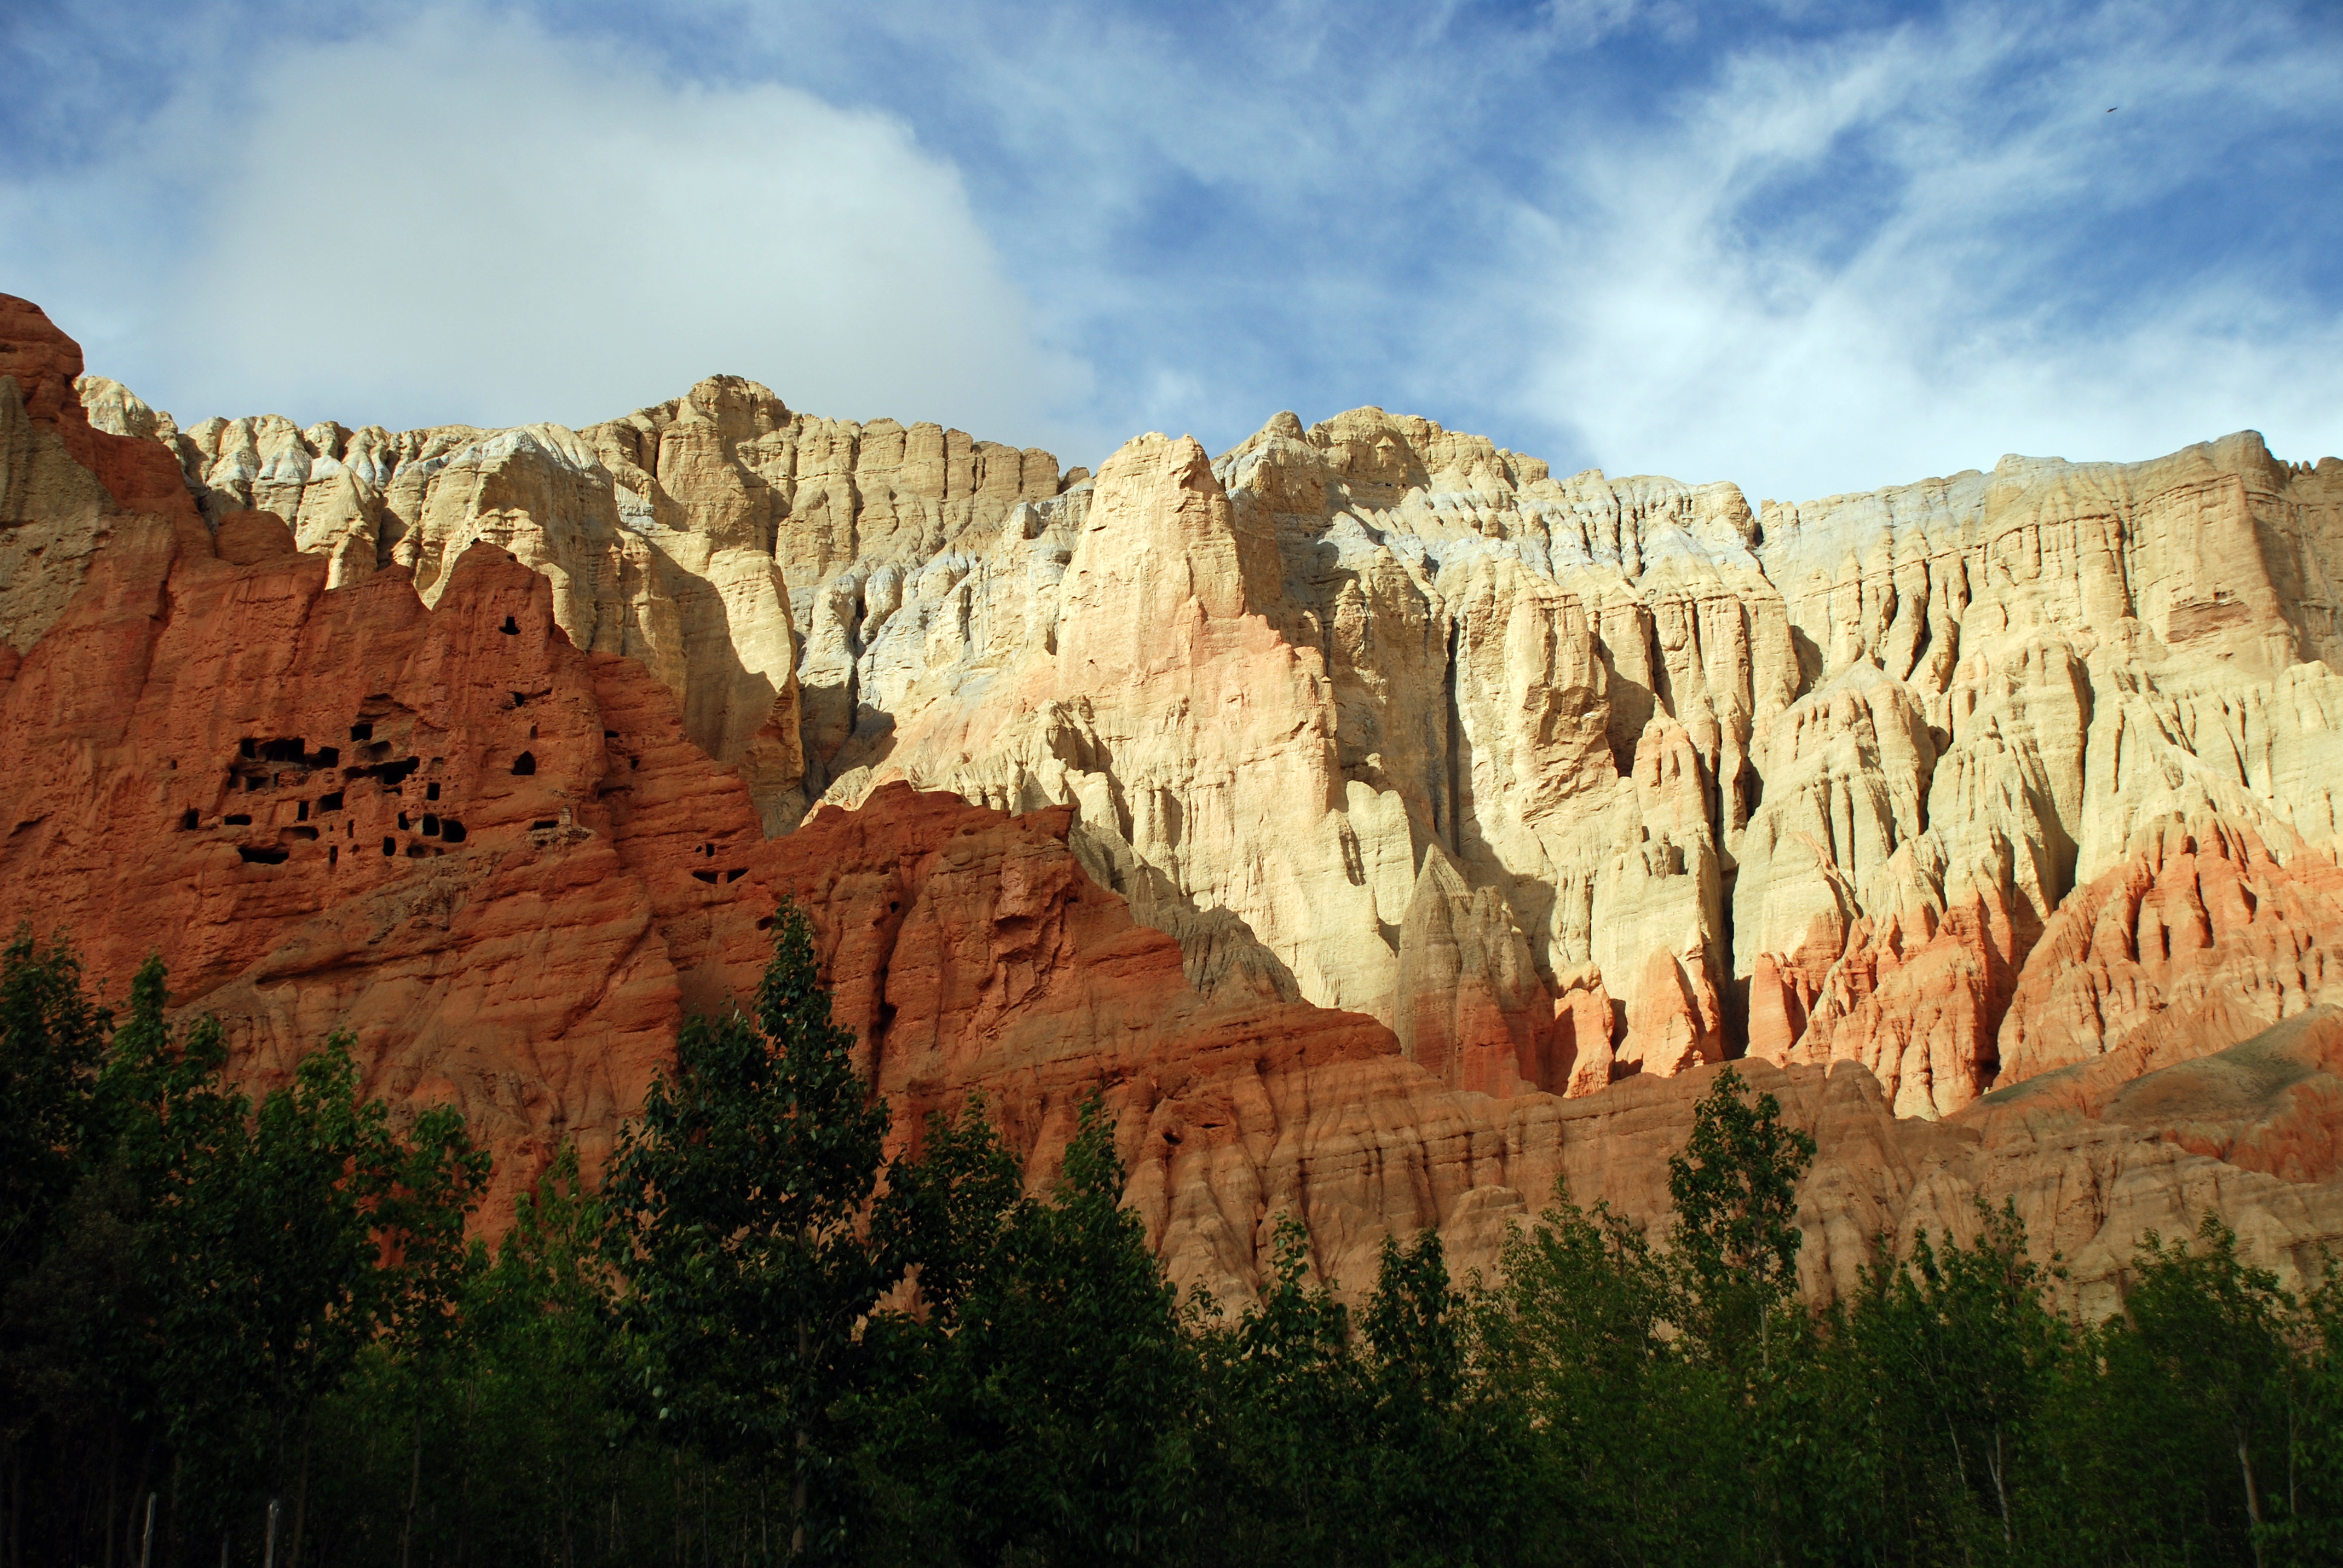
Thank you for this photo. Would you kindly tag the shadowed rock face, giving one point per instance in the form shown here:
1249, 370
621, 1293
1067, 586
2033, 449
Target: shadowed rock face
1349, 809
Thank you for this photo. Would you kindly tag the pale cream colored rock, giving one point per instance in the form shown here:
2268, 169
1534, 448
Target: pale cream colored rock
1810, 782
55, 515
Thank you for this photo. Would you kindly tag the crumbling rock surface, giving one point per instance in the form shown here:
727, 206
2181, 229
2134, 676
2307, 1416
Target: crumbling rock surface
1385, 826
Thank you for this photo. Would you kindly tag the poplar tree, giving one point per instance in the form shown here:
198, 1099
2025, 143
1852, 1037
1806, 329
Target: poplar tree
737, 1205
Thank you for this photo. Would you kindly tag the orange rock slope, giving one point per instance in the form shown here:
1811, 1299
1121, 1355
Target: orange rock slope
508, 864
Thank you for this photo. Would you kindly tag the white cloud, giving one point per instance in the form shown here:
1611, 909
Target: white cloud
1685, 320
1808, 257
464, 219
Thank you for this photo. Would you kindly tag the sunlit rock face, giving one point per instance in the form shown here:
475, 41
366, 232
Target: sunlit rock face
1382, 716
1381, 821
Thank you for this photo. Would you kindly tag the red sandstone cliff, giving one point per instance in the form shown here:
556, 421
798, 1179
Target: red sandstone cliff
510, 866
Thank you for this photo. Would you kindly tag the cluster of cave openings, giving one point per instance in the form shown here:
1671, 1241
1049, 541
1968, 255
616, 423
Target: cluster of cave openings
274, 761
710, 875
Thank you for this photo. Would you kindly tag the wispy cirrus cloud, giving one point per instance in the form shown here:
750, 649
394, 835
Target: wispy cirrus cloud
1851, 263
1809, 245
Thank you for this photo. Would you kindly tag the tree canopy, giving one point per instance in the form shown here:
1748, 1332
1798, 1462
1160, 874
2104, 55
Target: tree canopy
766, 1333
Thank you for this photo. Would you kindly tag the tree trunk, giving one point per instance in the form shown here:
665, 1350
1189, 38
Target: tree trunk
137, 1485
2253, 1495
2000, 1493
414, 1485
804, 1454
301, 1489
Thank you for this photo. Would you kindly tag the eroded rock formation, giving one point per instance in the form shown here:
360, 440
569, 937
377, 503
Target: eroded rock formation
1386, 826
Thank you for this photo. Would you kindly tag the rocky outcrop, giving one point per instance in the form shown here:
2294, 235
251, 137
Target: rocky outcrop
972, 954
2101, 656
1380, 716
666, 535
1388, 828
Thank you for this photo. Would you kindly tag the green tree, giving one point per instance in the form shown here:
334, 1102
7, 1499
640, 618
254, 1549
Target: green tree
941, 1222
738, 1203
1046, 1415
52, 1040
1276, 1382
295, 1240
1444, 1457
1948, 1362
1734, 1243
2215, 1340
1579, 1349
1742, 1404
2313, 1529
61, 1248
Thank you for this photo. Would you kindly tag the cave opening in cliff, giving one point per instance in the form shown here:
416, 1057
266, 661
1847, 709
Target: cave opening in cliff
263, 854
332, 802
238, 820
189, 818
512, 627
431, 790
451, 831
361, 732
391, 774
525, 764
389, 846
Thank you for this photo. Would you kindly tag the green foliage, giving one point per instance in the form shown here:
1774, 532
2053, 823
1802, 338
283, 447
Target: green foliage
1734, 1243
52, 1038
1043, 1403
738, 1203
217, 1267
762, 1341
1578, 1347
1273, 1386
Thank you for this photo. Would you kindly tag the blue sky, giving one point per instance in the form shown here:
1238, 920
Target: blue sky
1810, 248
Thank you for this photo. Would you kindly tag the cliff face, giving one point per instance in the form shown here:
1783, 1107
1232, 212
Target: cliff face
1351, 809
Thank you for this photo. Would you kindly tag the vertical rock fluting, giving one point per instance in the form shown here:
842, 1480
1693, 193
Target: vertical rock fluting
1454, 792
1809, 783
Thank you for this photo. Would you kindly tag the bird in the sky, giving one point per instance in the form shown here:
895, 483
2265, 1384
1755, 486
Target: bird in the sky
2117, 106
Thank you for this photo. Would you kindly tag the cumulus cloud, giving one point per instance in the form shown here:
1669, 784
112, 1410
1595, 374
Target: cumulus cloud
463, 218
